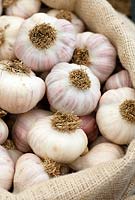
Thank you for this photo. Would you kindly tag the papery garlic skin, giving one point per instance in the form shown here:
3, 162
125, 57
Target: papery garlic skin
61, 14
118, 80
23, 8
9, 27
63, 147
29, 171
6, 169
64, 96
96, 52
100, 153
24, 122
41, 42
19, 92
111, 123
89, 126
3, 131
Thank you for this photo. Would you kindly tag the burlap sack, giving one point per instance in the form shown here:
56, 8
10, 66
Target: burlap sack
113, 180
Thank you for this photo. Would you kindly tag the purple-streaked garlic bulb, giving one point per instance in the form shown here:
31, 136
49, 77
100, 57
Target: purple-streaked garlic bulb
9, 26
118, 80
31, 170
58, 137
100, 153
96, 52
12, 151
24, 122
6, 169
116, 115
44, 41
20, 89
21, 8
69, 16
73, 88
89, 126
3, 131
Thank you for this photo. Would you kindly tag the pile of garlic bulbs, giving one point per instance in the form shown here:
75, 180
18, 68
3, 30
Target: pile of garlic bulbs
64, 106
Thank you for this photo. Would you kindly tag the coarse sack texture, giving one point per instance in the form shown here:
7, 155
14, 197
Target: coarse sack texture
121, 5
113, 180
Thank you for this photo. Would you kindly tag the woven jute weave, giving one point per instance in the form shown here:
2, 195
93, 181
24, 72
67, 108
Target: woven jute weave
113, 180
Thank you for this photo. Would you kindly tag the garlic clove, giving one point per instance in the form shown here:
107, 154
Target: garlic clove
69, 16
118, 80
24, 122
6, 169
58, 137
69, 86
41, 42
100, 153
116, 115
3, 131
21, 8
20, 89
29, 171
9, 27
96, 52
12, 151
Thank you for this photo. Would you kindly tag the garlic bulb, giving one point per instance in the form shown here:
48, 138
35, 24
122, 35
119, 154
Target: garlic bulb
58, 137
41, 42
99, 140
12, 151
44, 75
3, 131
6, 169
21, 8
24, 122
69, 16
89, 126
73, 88
96, 52
116, 115
9, 27
118, 80
20, 89
100, 153
29, 171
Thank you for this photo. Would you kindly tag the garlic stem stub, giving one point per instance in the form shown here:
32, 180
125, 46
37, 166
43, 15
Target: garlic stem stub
116, 115
58, 137
9, 27
21, 8
73, 88
24, 122
119, 80
96, 52
41, 42
69, 16
100, 153
20, 89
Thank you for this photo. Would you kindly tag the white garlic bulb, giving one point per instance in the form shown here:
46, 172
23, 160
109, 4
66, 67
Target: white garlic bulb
3, 131
20, 89
73, 88
12, 151
44, 41
21, 8
6, 169
116, 115
24, 122
118, 80
96, 52
29, 171
69, 16
9, 26
100, 153
58, 137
